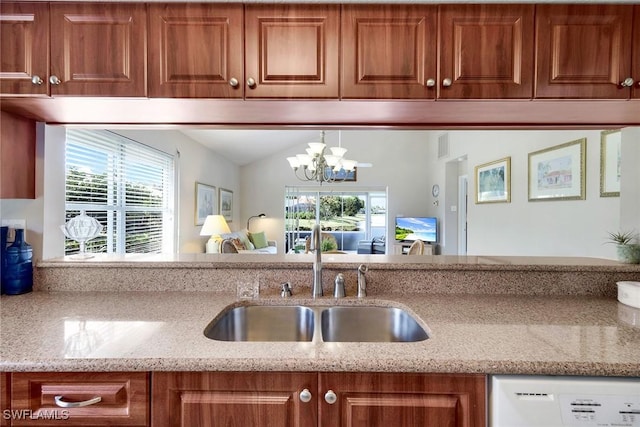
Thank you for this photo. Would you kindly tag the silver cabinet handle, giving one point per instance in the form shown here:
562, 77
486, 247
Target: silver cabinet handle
628, 82
251, 82
446, 82
305, 395
61, 403
233, 82
54, 80
330, 397
431, 82
36, 80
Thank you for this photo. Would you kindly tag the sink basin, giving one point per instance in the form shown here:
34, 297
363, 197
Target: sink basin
263, 323
370, 324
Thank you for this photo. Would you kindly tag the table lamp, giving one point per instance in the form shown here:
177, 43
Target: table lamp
214, 226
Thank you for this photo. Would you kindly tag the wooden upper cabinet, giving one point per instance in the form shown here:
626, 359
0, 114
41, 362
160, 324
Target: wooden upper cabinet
196, 50
383, 399
389, 51
583, 51
635, 72
17, 157
98, 49
24, 43
291, 50
257, 399
486, 51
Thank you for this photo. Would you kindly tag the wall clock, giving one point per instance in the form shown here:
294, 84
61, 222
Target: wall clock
435, 190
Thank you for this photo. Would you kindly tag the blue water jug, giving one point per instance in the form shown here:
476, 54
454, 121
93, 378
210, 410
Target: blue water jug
4, 231
17, 275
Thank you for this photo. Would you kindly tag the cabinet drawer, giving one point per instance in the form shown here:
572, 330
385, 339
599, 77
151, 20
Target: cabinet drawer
124, 398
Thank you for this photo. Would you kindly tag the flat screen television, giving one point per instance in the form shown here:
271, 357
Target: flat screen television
410, 228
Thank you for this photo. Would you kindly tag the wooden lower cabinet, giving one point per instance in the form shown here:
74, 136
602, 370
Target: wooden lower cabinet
5, 398
261, 399
53, 398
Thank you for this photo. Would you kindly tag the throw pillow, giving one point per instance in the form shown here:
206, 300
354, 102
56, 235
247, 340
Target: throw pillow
259, 239
237, 243
243, 235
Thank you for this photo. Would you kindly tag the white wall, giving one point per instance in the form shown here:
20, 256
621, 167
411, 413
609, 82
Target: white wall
546, 228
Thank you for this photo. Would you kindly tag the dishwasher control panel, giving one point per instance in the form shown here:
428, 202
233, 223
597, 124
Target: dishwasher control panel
600, 410
563, 401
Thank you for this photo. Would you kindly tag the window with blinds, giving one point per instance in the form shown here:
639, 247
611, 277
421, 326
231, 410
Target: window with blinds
127, 186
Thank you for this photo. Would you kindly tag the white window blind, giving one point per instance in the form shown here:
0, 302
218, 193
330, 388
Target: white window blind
127, 186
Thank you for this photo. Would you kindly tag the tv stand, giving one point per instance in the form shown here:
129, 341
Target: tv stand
401, 248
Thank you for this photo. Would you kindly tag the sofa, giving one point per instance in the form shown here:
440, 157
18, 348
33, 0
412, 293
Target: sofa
244, 242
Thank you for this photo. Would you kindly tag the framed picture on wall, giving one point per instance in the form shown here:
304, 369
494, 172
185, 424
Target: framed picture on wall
558, 173
493, 182
205, 202
226, 204
610, 153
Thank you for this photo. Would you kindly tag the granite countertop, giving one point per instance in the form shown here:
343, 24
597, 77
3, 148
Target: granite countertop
163, 331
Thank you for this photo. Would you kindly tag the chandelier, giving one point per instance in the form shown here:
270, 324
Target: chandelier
322, 163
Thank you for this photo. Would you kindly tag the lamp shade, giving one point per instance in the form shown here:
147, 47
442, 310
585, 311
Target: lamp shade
214, 225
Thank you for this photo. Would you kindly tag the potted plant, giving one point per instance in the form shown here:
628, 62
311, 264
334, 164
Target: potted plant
328, 244
627, 246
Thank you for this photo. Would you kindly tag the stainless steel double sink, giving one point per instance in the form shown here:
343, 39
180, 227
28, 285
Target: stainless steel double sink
329, 324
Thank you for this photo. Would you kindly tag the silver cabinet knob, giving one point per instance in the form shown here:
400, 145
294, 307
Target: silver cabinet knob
431, 82
330, 397
233, 82
628, 82
54, 80
305, 395
446, 82
36, 80
251, 82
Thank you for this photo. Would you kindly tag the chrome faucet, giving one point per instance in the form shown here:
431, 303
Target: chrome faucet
317, 262
362, 281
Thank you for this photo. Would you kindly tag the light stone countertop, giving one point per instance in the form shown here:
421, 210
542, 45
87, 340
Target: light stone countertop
163, 331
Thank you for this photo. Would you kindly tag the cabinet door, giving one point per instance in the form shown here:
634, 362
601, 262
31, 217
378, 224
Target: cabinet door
17, 157
388, 51
403, 400
24, 43
124, 398
635, 93
5, 398
583, 51
233, 399
98, 49
486, 51
291, 51
195, 51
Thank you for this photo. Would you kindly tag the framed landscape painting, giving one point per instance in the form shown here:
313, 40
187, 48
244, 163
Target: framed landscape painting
226, 204
559, 172
205, 202
493, 182
610, 155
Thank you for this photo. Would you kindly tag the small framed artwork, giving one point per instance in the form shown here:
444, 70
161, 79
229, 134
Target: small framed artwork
205, 202
493, 182
559, 172
226, 204
610, 149
342, 175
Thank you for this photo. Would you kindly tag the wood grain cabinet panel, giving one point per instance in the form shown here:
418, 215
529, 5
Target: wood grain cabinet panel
124, 398
98, 49
583, 51
486, 51
403, 400
17, 156
389, 51
291, 51
24, 43
232, 399
196, 50
5, 398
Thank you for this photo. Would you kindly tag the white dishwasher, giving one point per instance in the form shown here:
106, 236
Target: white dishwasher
563, 401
